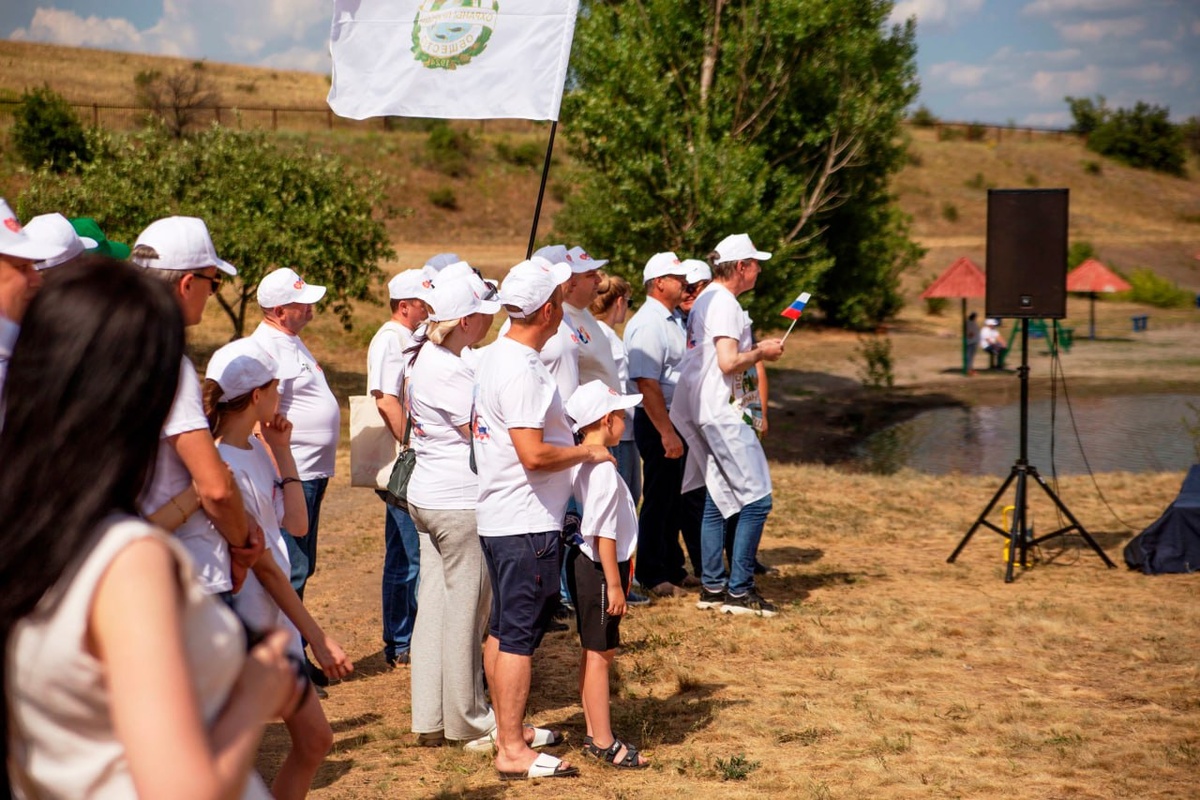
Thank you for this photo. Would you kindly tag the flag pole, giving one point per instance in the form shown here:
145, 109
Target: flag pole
537, 210
789, 330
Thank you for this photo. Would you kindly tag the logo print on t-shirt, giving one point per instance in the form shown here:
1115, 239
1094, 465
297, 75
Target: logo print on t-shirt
480, 430
583, 337
12, 224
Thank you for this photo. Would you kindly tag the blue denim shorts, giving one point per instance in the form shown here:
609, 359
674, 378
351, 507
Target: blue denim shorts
524, 572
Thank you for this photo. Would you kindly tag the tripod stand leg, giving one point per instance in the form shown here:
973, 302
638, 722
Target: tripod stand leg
1087, 537
987, 510
1016, 536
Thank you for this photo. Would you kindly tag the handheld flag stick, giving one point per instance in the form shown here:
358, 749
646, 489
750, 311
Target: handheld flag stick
794, 311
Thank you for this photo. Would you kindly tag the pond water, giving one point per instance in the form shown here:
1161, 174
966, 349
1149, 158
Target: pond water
1133, 433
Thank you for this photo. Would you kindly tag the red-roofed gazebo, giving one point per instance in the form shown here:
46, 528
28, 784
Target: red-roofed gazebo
962, 279
1091, 277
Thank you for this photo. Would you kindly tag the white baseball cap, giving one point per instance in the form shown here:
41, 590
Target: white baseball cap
14, 241
458, 299
992, 323
738, 247
662, 264
412, 283
441, 261
462, 271
593, 400
179, 243
580, 261
697, 270
284, 286
554, 253
528, 285
243, 366
57, 229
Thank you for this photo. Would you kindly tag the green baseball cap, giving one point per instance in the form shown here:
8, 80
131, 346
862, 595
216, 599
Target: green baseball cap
86, 226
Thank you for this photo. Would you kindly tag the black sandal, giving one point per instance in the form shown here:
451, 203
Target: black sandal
609, 754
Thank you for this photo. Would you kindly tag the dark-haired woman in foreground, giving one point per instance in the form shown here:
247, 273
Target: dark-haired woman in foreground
122, 678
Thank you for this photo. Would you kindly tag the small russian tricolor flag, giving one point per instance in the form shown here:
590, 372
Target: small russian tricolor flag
797, 307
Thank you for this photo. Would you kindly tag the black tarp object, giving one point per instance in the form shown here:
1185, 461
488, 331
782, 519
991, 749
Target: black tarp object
1172, 542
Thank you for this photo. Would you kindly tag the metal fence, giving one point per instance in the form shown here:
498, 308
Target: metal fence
272, 118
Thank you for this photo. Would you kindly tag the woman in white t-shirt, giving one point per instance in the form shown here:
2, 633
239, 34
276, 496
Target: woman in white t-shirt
448, 697
712, 410
241, 392
610, 308
121, 677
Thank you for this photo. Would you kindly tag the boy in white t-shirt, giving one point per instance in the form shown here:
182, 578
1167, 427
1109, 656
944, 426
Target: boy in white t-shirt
598, 570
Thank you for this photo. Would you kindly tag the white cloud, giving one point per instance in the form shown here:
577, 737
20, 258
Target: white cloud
935, 13
306, 59
1157, 45
196, 28
1052, 86
956, 73
1055, 7
1093, 30
1009, 54
1149, 73
1047, 119
1181, 75
1196, 27
68, 28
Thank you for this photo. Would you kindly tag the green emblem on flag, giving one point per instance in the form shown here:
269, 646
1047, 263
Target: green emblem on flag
447, 34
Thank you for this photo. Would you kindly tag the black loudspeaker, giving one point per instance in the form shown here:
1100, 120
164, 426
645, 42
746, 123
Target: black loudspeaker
1027, 253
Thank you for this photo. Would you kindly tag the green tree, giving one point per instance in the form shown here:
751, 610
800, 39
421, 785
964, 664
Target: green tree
1088, 114
1142, 137
181, 100
777, 119
47, 132
265, 206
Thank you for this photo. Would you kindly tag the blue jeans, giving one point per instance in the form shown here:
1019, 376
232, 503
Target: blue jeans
303, 550
747, 533
401, 570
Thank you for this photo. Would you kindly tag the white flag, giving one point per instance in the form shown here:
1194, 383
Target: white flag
450, 59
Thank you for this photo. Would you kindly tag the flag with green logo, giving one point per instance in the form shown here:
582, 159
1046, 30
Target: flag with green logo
450, 59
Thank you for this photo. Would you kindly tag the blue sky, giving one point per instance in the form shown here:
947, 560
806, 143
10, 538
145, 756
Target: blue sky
987, 60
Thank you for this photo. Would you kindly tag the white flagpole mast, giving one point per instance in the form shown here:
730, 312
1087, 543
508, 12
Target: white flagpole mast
789, 330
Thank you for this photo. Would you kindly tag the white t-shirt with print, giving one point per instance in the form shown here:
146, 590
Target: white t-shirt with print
724, 452
204, 543
621, 358
608, 510
307, 402
513, 389
440, 389
596, 361
255, 474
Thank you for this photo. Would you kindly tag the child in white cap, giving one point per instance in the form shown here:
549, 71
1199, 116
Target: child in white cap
241, 392
598, 570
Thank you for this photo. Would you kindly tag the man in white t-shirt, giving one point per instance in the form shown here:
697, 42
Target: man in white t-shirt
19, 279
386, 362
711, 408
524, 450
307, 401
180, 251
596, 362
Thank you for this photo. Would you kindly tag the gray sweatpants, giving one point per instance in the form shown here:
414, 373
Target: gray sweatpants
454, 599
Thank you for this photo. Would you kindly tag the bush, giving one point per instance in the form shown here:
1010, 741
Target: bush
444, 198
923, 117
934, 306
976, 132
1079, 252
1088, 114
449, 150
1032, 180
1143, 137
877, 370
1191, 135
46, 132
1092, 167
1154, 290
978, 182
526, 154
949, 134
949, 212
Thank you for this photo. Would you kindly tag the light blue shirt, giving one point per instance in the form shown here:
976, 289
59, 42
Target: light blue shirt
655, 341
8, 339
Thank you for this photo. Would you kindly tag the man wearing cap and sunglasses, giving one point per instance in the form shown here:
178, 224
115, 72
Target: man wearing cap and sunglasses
386, 364
19, 279
179, 251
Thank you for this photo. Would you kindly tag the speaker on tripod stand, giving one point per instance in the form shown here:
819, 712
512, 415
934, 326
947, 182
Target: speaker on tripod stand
1026, 279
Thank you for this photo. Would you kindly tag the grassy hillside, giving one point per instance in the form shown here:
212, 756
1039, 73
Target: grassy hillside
1133, 218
